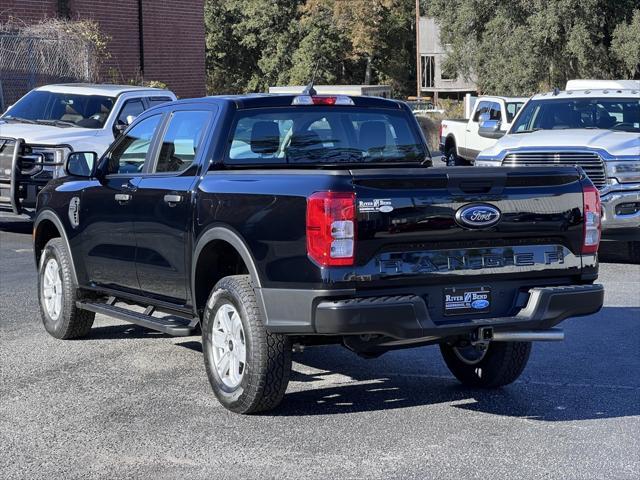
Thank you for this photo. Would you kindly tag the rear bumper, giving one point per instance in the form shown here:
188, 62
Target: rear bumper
407, 317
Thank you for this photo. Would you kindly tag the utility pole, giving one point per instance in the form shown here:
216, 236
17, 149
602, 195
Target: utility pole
418, 56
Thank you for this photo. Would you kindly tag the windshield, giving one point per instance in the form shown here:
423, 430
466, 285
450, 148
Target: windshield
621, 114
324, 135
61, 109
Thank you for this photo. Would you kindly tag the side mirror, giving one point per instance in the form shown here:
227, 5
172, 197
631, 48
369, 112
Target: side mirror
490, 129
81, 164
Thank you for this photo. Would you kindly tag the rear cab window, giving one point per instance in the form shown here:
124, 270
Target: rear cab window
324, 135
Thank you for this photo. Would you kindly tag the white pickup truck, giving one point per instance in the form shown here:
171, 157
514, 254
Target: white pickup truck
39, 130
461, 140
594, 124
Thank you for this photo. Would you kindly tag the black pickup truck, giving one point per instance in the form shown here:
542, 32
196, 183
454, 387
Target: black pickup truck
271, 223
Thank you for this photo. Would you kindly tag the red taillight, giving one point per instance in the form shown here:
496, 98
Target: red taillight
331, 228
440, 131
592, 218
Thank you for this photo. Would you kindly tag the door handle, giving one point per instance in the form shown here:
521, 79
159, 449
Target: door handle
122, 198
172, 199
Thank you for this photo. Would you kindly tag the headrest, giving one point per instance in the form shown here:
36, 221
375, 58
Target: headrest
265, 137
373, 134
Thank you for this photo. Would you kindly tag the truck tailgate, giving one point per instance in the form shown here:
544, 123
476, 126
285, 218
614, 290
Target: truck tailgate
407, 230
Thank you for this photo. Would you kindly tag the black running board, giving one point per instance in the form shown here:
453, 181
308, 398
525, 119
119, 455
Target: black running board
170, 324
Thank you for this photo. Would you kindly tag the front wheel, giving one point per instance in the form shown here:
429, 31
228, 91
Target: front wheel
248, 367
501, 363
58, 294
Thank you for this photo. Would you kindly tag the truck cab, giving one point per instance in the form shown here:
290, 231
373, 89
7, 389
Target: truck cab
461, 140
43, 127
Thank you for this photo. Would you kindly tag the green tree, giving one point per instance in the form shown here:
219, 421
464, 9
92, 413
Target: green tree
626, 45
252, 44
230, 64
520, 47
324, 44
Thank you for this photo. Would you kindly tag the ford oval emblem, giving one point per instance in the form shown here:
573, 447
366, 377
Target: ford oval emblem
480, 304
478, 216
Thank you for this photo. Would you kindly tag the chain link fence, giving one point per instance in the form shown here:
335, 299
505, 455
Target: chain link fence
27, 62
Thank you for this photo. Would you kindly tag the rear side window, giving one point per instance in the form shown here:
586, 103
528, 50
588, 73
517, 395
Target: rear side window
512, 109
324, 135
182, 141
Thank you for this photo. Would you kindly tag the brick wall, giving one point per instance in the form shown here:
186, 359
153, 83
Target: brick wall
121, 25
173, 37
174, 44
27, 11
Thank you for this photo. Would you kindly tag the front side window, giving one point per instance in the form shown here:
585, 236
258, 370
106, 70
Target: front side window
324, 135
621, 114
494, 111
182, 141
130, 152
61, 109
483, 107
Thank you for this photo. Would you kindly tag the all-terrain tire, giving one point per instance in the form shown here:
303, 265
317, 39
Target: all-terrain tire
501, 365
70, 321
268, 355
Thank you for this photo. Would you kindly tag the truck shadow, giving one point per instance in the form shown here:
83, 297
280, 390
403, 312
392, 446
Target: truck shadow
614, 252
360, 392
331, 380
16, 225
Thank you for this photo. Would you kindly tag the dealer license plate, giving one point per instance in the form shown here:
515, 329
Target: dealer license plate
466, 300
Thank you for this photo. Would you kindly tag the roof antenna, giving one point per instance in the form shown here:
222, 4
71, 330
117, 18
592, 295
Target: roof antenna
309, 90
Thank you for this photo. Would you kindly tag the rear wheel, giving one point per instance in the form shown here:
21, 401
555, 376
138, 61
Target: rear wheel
248, 367
58, 294
500, 363
452, 158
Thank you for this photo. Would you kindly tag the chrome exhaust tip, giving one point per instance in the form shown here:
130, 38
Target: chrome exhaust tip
551, 335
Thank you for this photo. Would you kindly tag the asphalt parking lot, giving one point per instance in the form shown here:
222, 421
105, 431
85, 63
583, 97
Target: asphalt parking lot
130, 403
